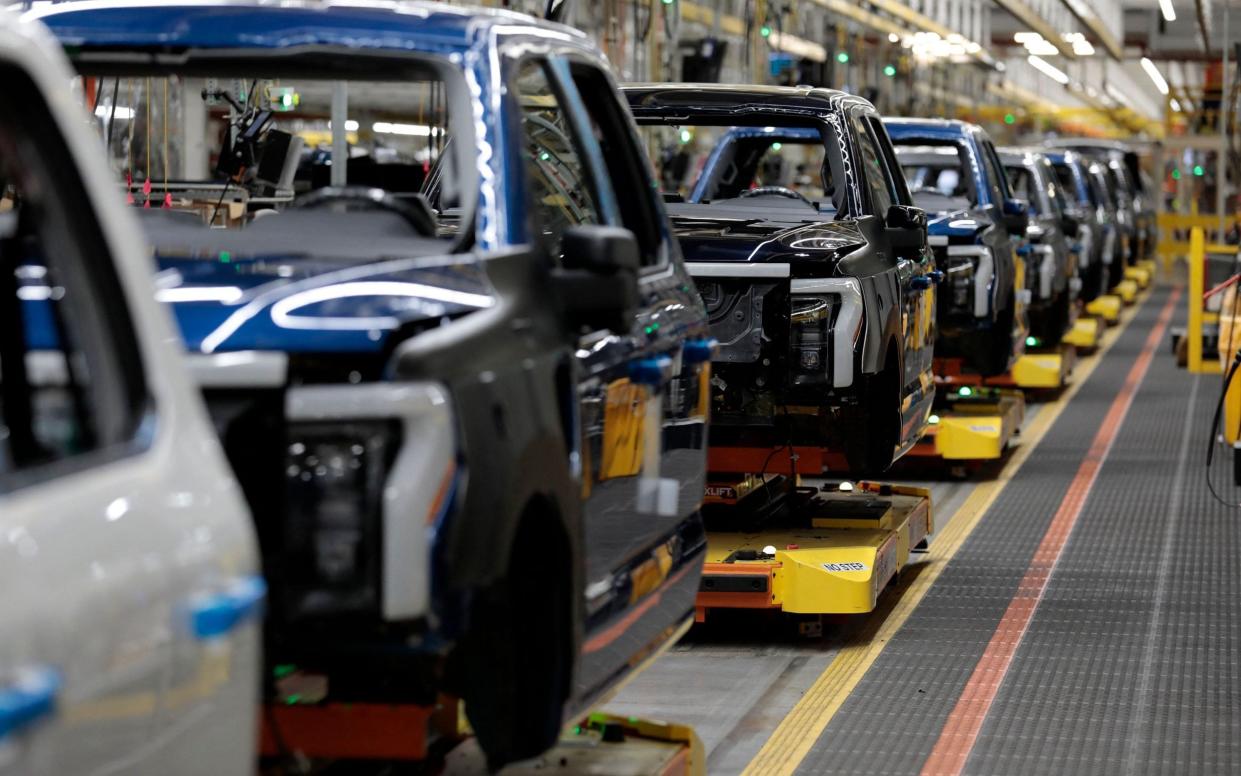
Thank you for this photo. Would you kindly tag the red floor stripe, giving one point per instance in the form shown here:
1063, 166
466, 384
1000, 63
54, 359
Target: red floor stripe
960, 731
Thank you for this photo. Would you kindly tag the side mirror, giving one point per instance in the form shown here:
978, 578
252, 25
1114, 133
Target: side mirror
1016, 216
907, 227
906, 217
597, 282
1070, 222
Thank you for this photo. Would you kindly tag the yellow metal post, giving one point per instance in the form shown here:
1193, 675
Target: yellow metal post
1197, 273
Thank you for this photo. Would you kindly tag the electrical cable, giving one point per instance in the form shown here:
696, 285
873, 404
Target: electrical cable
116, 90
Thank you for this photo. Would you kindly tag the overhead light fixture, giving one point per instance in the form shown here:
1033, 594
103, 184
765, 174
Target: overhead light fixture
120, 113
1169, 13
1155, 75
1047, 69
893, 38
1081, 46
415, 130
1176, 106
1036, 44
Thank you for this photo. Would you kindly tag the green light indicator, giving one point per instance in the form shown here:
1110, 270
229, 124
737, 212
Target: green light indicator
765, 31
776, 146
1010, 118
1031, 342
1198, 170
293, 699
669, 2
225, 257
843, 58
933, 419
283, 670
889, 71
965, 390
1176, 175
686, 136
545, 156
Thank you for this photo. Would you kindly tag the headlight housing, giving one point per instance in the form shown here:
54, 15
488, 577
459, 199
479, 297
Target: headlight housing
1085, 238
978, 279
810, 323
959, 283
334, 481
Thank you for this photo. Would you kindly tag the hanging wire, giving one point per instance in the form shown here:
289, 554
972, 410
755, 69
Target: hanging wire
166, 157
148, 101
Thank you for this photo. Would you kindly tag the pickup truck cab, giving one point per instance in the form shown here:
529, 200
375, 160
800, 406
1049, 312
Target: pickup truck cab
1135, 197
1096, 239
815, 270
463, 400
1050, 261
129, 635
975, 228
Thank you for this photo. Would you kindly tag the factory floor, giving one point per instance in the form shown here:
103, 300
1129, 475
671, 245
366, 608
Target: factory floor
1077, 611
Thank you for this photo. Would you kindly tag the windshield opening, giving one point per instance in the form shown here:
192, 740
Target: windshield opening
939, 175
784, 170
242, 157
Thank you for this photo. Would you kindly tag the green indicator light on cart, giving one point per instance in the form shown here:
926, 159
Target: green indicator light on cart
889, 71
965, 390
776, 146
283, 670
843, 58
686, 136
1010, 118
1198, 171
1031, 342
765, 31
225, 257
1176, 175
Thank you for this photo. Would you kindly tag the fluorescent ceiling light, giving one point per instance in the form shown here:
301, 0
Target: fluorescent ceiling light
416, 130
1047, 69
1077, 40
1169, 12
122, 113
350, 125
893, 37
1176, 106
1155, 75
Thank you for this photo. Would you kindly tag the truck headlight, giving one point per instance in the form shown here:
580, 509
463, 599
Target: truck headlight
810, 321
974, 282
334, 475
960, 282
1085, 239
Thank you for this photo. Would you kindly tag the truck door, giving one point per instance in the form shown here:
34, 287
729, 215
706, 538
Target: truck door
119, 537
636, 492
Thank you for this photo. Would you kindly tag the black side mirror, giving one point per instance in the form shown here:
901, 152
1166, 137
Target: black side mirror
906, 227
1016, 216
597, 282
1070, 221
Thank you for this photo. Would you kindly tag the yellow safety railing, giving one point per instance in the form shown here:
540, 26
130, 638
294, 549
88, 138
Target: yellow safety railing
1171, 248
1196, 360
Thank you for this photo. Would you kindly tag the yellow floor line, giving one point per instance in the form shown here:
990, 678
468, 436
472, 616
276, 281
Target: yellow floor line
801, 727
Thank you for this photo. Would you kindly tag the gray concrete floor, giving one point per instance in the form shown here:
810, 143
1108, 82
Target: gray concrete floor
735, 677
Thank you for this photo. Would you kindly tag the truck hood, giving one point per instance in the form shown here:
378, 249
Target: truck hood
957, 223
758, 240
312, 305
